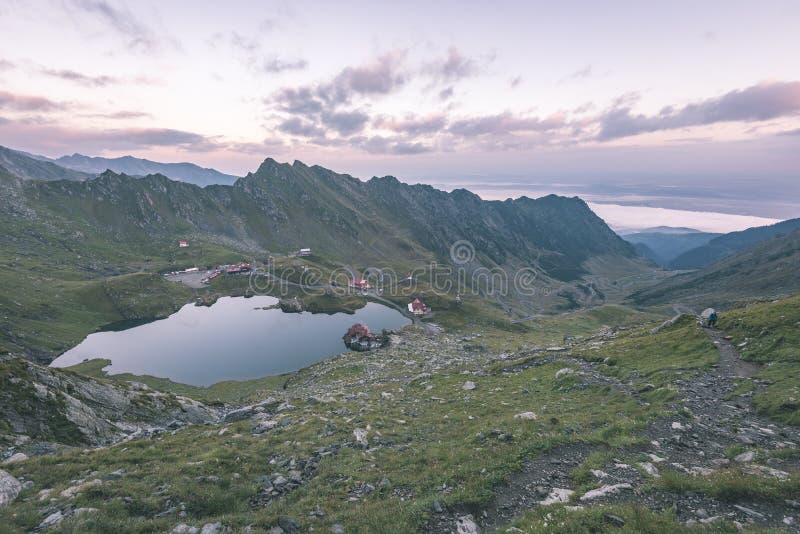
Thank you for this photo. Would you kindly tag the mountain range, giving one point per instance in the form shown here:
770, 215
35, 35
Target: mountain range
662, 245
184, 172
729, 244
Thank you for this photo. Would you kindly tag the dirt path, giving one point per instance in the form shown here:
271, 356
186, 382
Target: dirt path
709, 420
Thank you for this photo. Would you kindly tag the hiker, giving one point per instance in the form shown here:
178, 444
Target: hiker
712, 319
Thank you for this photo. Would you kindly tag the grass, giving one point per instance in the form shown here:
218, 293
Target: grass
769, 334
731, 485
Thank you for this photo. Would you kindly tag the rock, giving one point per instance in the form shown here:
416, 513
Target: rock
745, 457
656, 458
677, 426
74, 490
14, 458
614, 519
526, 415
276, 530
557, 495
466, 525
788, 520
263, 426
116, 475
749, 511
9, 488
597, 473
183, 528
289, 525
469, 385
211, 528
81, 511
437, 507
565, 371
52, 520
764, 471
337, 529
602, 491
361, 437
650, 469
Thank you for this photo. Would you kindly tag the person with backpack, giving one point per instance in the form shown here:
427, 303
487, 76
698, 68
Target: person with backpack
712, 319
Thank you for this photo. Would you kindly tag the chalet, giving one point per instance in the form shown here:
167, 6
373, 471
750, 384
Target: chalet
359, 283
359, 337
183, 244
417, 307
304, 252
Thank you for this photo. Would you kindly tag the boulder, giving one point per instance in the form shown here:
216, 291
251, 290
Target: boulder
9, 488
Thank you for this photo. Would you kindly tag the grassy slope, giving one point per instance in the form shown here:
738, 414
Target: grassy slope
769, 333
432, 433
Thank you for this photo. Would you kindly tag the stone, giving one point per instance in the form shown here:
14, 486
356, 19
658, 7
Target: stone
467, 525
74, 490
81, 511
9, 488
337, 529
677, 426
14, 458
529, 416
263, 426
565, 371
437, 507
602, 491
183, 528
745, 457
749, 511
598, 473
116, 475
650, 469
52, 520
614, 519
211, 528
469, 385
276, 530
289, 525
557, 495
788, 520
361, 437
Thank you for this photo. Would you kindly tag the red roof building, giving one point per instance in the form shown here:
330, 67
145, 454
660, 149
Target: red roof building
417, 307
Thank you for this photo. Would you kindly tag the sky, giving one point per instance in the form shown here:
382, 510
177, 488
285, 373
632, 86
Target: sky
689, 107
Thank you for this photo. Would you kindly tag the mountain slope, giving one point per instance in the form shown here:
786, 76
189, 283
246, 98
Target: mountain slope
668, 246
766, 269
184, 172
728, 244
28, 167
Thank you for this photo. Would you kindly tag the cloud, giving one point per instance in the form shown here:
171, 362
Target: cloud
790, 132
414, 125
446, 94
301, 127
80, 78
378, 77
386, 145
276, 65
299, 101
505, 123
17, 102
455, 66
122, 115
515, 81
6, 64
122, 21
580, 74
764, 101
345, 122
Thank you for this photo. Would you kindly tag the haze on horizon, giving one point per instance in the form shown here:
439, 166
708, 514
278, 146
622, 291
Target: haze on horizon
673, 106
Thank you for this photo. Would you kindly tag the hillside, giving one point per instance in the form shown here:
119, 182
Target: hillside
728, 244
28, 167
666, 246
184, 172
79, 234
651, 430
768, 269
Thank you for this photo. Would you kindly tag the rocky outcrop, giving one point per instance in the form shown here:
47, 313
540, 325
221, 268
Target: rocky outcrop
44, 404
9, 488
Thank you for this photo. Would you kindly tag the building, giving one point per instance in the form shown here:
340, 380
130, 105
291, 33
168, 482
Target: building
417, 307
359, 283
304, 252
359, 337
183, 244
